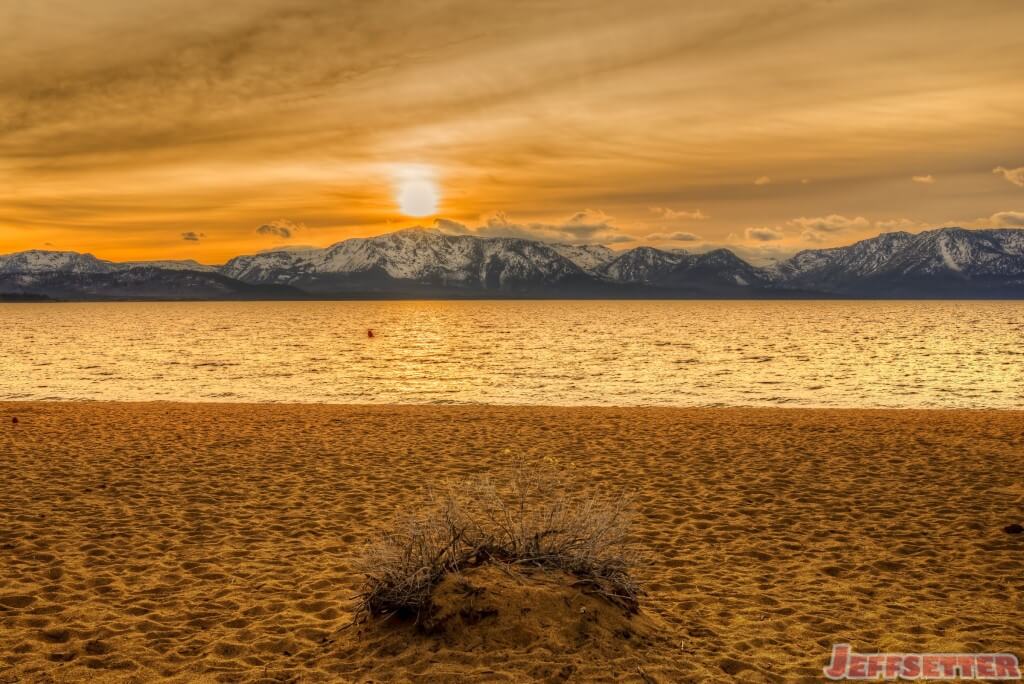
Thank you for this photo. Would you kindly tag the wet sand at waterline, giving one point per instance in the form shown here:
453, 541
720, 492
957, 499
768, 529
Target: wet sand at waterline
212, 542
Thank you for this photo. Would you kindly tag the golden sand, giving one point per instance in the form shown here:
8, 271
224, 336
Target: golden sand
214, 542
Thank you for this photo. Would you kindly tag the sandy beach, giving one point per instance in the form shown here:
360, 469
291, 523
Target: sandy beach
214, 542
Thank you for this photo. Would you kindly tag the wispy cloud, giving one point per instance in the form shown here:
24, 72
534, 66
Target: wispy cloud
1015, 176
192, 236
678, 236
1010, 219
672, 214
927, 180
282, 228
763, 234
762, 180
833, 223
821, 229
586, 226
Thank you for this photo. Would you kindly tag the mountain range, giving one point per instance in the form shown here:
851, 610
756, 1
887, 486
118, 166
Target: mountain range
425, 263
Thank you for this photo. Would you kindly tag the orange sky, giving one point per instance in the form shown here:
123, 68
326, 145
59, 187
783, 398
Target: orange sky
170, 129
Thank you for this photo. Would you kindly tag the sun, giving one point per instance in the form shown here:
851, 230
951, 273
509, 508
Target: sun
416, 192
417, 198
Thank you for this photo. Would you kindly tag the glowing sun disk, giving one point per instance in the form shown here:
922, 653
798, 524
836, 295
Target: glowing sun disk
417, 197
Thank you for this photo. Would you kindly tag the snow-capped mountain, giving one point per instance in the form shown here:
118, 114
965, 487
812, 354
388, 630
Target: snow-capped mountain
967, 253
70, 275
716, 271
589, 258
40, 261
813, 266
642, 265
435, 261
936, 263
417, 257
946, 262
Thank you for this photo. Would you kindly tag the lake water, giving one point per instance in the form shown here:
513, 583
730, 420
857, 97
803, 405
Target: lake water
682, 353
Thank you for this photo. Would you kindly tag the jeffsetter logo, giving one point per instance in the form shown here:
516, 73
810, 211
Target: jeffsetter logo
846, 664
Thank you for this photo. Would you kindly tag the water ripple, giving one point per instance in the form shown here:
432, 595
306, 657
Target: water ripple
853, 354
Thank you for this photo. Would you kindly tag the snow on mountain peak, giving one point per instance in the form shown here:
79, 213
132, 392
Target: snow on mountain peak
36, 261
589, 258
41, 261
944, 262
419, 254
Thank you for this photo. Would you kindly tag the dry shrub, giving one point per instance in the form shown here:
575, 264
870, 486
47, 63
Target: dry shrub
534, 517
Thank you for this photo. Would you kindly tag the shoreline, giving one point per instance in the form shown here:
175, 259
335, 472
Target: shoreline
814, 297
203, 541
9, 405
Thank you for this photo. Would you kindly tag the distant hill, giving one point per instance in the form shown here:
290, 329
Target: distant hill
422, 263
947, 262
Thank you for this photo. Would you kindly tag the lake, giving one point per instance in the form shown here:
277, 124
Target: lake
679, 353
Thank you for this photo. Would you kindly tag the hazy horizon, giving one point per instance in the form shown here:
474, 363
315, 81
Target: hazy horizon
752, 258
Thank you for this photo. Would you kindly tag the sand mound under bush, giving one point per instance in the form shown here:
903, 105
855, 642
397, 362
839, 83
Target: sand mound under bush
492, 607
500, 623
